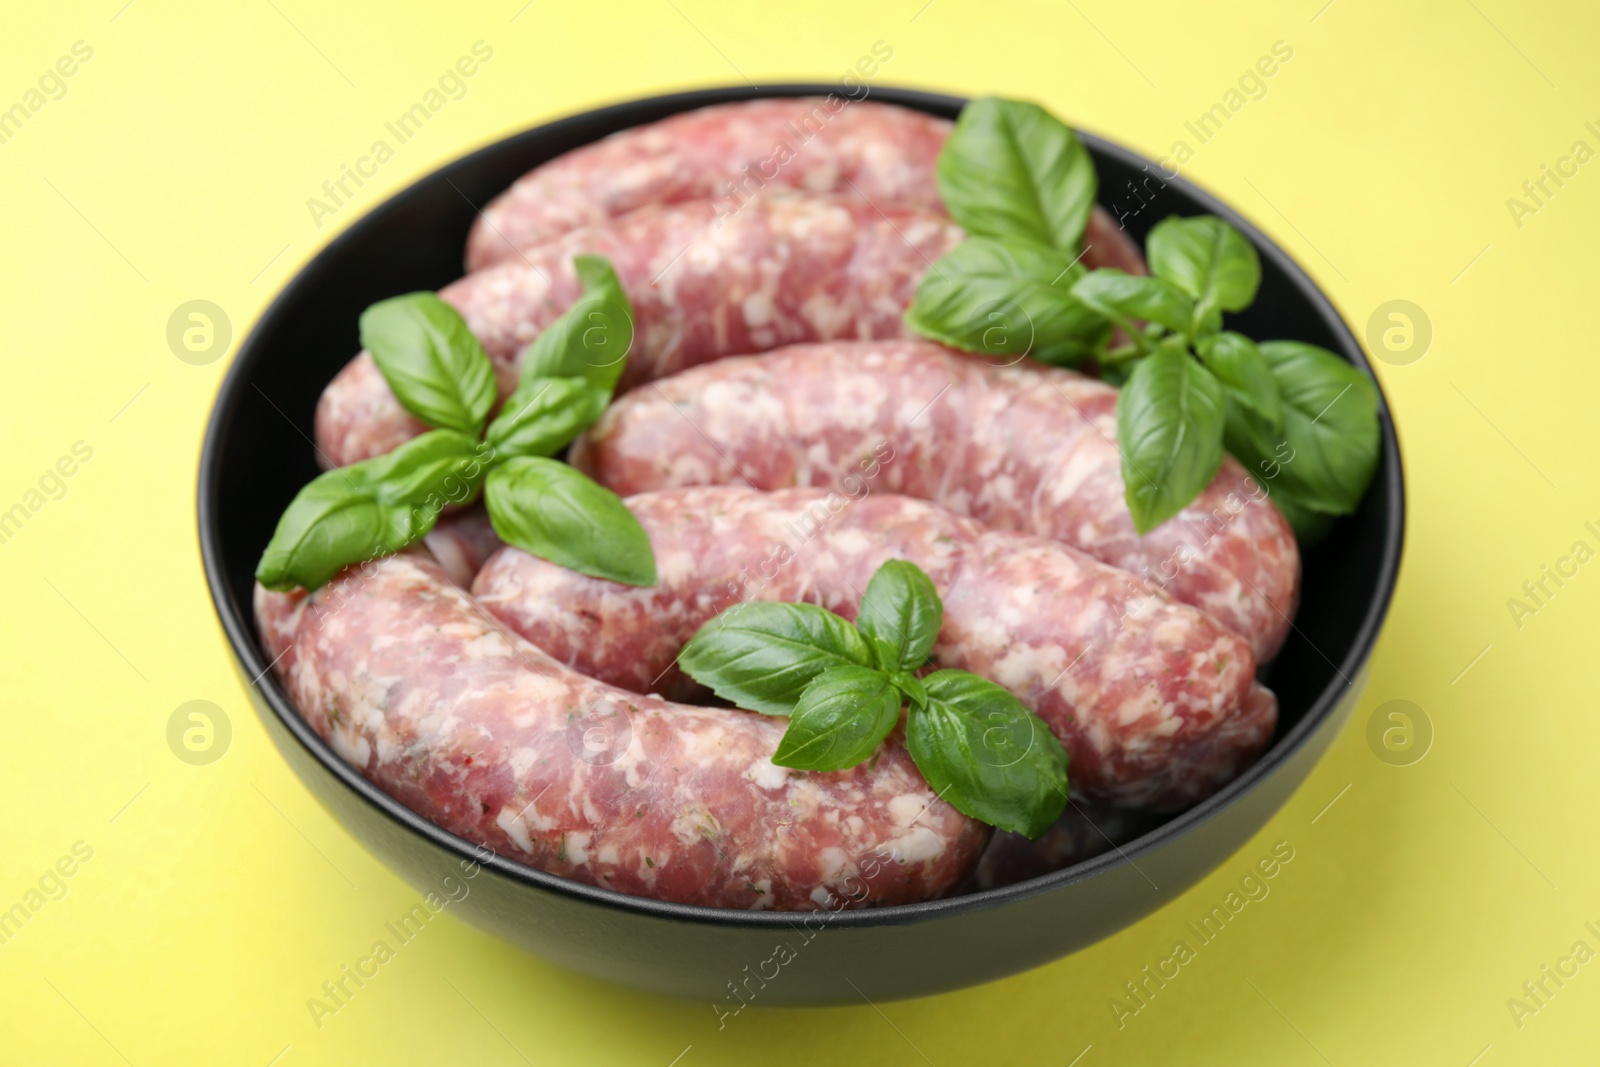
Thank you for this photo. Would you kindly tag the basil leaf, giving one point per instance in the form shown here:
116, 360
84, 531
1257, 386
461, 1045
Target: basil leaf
437, 468
327, 526
911, 686
1126, 298
841, 719
544, 415
550, 510
986, 754
1014, 171
761, 656
1169, 426
370, 509
1327, 451
1245, 374
592, 338
1007, 300
595, 273
900, 615
435, 367
1209, 260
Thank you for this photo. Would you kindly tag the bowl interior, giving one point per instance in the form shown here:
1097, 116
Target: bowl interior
259, 452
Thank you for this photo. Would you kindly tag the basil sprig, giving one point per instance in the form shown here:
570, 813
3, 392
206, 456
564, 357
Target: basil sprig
1172, 411
440, 373
843, 687
1301, 419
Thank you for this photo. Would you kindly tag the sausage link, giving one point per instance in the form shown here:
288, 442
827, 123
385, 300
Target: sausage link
1018, 447
1153, 700
784, 270
474, 728
728, 154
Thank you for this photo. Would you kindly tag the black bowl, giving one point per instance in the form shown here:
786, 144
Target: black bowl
257, 455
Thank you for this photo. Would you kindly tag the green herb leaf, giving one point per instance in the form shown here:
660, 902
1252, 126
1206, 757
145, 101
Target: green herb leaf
1128, 298
544, 415
437, 468
911, 686
570, 369
370, 509
1014, 171
329, 525
900, 615
550, 510
1209, 260
1245, 374
761, 656
841, 719
592, 338
986, 754
1169, 426
1003, 299
1327, 451
435, 367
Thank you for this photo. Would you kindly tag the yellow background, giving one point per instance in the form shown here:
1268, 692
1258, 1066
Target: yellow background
177, 167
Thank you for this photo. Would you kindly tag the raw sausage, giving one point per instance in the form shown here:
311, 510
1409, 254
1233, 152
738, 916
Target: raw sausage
487, 736
784, 270
1154, 701
728, 154
727, 151
1020, 447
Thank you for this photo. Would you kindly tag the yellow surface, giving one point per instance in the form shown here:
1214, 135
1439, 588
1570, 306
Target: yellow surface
218, 898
